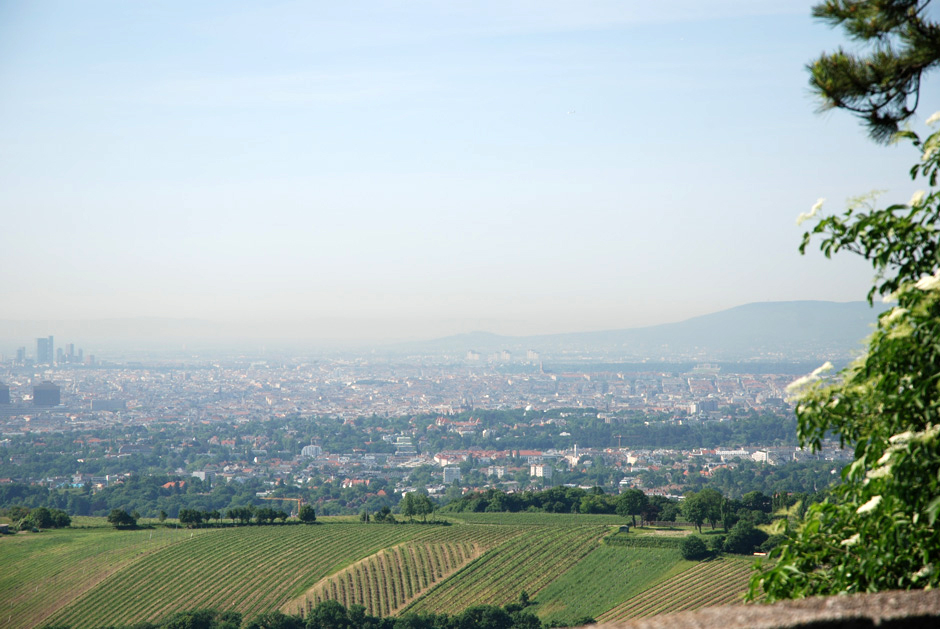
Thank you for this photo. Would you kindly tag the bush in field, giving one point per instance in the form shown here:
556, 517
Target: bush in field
121, 519
693, 547
744, 538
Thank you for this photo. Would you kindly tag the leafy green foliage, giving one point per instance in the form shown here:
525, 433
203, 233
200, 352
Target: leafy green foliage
744, 538
631, 503
878, 531
307, 514
693, 547
121, 519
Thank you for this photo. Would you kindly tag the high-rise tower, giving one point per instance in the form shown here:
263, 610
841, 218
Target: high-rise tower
45, 351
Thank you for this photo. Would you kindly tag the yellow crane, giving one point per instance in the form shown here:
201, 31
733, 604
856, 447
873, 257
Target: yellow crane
299, 501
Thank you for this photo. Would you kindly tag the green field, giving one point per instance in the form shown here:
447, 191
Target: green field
716, 582
570, 566
605, 578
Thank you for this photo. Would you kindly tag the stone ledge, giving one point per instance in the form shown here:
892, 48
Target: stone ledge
914, 609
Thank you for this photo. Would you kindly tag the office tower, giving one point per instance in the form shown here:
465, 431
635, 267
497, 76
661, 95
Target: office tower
45, 352
4, 394
46, 394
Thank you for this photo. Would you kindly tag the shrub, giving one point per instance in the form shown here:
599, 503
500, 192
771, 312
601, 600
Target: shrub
693, 547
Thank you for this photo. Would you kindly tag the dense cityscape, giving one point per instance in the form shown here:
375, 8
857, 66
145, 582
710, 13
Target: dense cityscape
441, 426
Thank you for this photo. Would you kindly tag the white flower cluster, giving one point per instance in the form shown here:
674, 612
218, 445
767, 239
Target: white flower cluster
805, 216
929, 282
801, 382
895, 314
923, 572
869, 506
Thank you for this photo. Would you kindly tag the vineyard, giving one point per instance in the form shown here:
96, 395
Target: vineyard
388, 580
249, 570
717, 582
605, 578
527, 562
570, 566
42, 573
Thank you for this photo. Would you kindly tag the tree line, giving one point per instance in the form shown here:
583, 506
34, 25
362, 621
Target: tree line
334, 615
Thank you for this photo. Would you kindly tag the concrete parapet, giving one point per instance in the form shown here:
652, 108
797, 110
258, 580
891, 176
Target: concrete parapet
914, 609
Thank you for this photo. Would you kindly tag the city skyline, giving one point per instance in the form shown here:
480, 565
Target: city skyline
392, 172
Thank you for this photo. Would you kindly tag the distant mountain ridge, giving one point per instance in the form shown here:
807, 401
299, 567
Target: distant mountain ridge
786, 330
762, 330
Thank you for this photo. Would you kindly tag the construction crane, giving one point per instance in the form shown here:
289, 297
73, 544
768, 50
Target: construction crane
299, 501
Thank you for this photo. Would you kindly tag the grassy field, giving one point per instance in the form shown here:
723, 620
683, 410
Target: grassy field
44, 572
716, 582
606, 577
536, 519
250, 570
528, 561
571, 566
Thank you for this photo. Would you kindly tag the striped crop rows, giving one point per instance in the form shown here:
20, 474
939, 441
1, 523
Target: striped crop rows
249, 570
385, 582
716, 582
391, 578
43, 574
527, 562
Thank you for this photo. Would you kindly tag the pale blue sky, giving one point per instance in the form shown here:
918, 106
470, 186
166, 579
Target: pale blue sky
414, 169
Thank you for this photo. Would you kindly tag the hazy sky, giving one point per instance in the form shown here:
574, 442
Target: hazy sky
413, 169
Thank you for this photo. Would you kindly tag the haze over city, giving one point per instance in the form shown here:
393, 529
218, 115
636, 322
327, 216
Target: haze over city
390, 171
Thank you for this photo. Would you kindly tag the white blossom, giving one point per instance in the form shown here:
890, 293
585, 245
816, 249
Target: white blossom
929, 433
798, 384
850, 541
934, 118
805, 216
871, 505
894, 315
917, 198
879, 472
826, 366
901, 437
923, 572
929, 282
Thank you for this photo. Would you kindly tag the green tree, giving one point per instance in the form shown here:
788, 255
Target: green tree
423, 506
880, 85
693, 547
307, 514
121, 519
41, 517
744, 538
631, 502
407, 505
694, 510
877, 530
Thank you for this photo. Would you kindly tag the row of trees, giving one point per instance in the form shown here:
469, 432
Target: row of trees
194, 518
707, 505
333, 615
416, 504
26, 519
